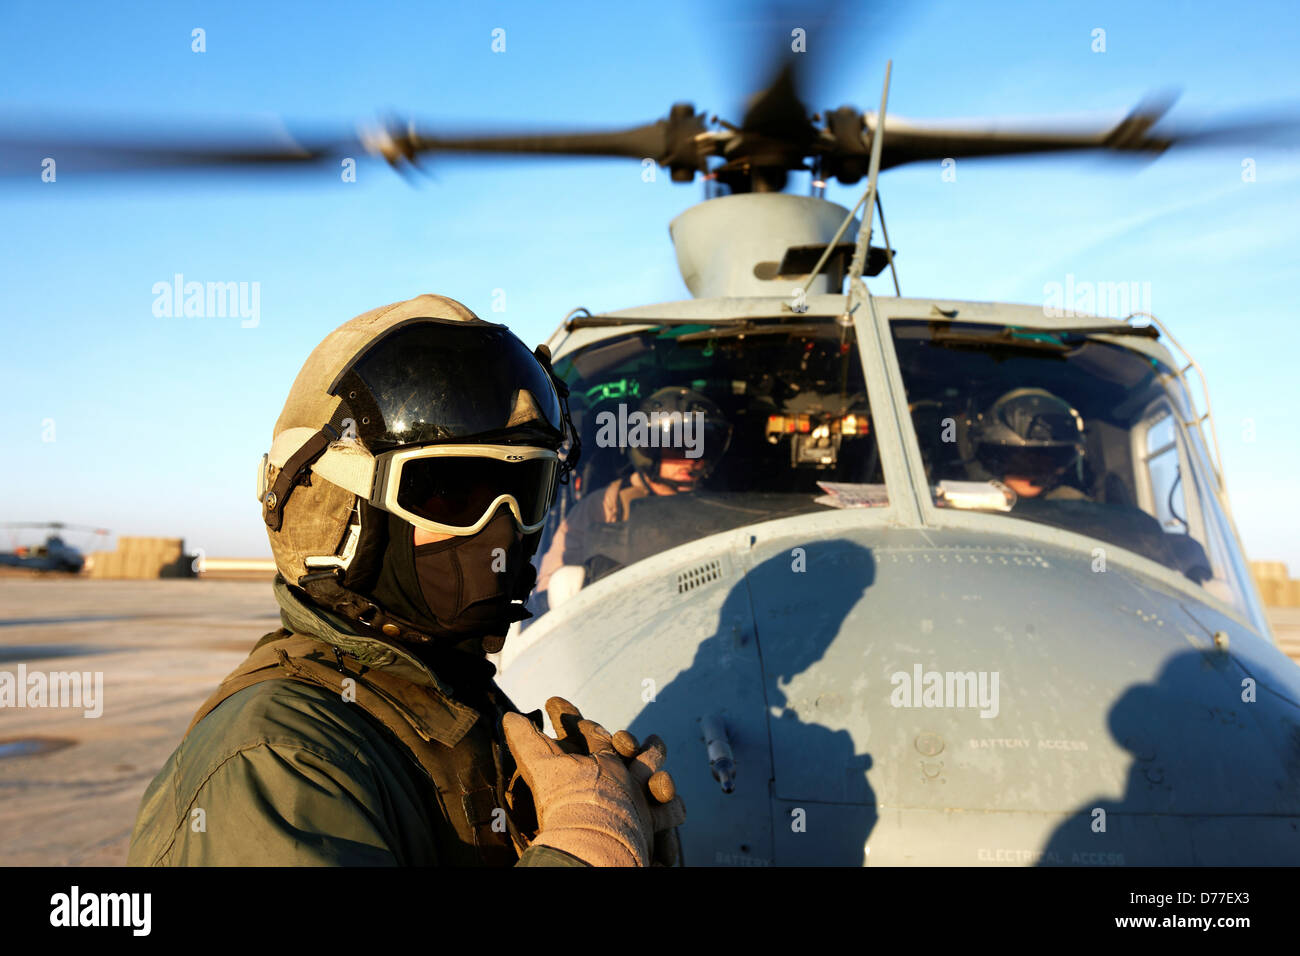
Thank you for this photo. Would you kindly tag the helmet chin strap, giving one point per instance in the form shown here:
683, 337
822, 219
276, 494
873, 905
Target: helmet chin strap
323, 588
645, 479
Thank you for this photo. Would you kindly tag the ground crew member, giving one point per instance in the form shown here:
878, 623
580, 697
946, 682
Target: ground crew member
407, 484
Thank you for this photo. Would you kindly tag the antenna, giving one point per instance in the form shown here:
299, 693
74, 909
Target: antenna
868, 199
889, 250
877, 141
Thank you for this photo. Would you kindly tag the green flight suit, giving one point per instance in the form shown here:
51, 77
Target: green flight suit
287, 773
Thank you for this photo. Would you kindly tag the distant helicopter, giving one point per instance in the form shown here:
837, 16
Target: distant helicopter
54, 555
947, 582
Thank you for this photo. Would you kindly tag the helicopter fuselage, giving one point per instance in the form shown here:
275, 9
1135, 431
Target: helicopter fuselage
919, 682
850, 662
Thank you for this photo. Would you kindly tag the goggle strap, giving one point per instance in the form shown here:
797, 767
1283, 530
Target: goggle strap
349, 466
292, 473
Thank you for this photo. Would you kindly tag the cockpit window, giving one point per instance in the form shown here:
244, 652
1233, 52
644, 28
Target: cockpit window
690, 430
1064, 429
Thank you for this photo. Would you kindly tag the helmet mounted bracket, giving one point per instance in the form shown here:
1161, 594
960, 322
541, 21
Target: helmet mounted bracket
293, 473
543, 355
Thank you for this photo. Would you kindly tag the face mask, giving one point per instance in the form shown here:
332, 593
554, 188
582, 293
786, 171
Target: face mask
461, 586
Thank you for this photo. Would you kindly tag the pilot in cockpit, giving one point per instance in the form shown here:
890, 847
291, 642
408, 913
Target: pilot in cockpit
666, 466
1033, 442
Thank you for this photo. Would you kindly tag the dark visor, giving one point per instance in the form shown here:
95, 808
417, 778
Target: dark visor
707, 445
1028, 462
436, 380
458, 491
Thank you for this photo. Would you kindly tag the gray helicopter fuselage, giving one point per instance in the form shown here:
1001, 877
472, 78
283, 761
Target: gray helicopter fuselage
913, 684
1090, 691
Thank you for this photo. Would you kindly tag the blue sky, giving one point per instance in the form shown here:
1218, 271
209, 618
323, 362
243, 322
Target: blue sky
159, 422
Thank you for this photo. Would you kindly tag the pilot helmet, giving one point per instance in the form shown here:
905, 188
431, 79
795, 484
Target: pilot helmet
1028, 432
690, 427
414, 414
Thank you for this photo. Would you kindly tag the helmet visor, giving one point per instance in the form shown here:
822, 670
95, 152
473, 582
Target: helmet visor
1028, 462
435, 380
707, 444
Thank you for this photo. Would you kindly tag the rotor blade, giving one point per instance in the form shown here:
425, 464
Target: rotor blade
24, 153
777, 112
85, 527
814, 44
1279, 127
639, 142
126, 147
907, 141
57, 525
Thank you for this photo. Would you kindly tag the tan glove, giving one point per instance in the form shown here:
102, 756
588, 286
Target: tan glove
667, 810
646, 764
589, 802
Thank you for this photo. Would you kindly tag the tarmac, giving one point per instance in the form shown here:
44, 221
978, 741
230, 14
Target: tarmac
162, 647
70, 784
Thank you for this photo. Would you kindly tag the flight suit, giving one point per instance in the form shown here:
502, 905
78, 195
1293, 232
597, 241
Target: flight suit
605, 505
290, 764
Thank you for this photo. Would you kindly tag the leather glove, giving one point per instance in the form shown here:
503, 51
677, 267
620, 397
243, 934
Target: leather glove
646, 763
589, 802
667, 811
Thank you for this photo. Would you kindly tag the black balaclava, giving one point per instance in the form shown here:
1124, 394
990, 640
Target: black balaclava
458, 588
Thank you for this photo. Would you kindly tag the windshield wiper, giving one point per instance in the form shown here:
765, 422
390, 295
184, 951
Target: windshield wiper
604, 321
1038, 339
712, 328
1142, 331
748, 327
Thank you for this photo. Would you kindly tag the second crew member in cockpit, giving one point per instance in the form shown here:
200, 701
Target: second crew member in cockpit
667, 467
1032, 441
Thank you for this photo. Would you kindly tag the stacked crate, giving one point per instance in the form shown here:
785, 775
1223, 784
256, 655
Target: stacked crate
1276, 588
139, 558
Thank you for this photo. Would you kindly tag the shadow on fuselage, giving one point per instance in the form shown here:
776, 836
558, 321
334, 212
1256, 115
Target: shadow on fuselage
797, 606
1213, 778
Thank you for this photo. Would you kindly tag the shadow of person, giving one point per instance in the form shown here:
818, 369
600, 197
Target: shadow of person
1209, 782
782, 659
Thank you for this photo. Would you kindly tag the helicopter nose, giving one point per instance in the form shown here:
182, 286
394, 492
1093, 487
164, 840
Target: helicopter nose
1005, 702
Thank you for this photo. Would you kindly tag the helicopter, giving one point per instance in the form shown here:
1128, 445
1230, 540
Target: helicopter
880, 621
879, 626
54, 555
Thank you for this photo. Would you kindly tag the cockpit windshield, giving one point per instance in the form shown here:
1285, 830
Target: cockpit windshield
694, 429
690, 430
1067, 430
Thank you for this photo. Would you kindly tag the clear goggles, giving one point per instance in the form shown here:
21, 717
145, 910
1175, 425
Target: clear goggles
456, 489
